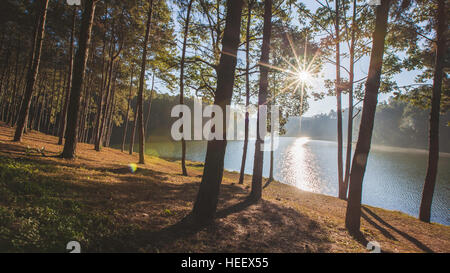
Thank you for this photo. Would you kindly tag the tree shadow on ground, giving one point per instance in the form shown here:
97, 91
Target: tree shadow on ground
385, 232
244, 226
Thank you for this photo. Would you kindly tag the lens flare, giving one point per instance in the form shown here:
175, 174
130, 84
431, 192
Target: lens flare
133, 167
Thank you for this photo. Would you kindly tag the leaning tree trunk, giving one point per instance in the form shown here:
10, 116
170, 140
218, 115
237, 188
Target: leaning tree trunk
32, 73
140, 99
208, 194
342, 194
79, 71
353, 213
350, 103
247, 92
256, 191
62, 127
183, 56
433, 140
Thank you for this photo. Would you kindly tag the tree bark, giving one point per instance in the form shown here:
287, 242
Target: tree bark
247, 92
353, 213
350, 103
32, 73
133, 132
69, 80
140, 98
125, 129
208, 194
342, 193
433, 140
79, 72
149, 109
256, 191
183, 56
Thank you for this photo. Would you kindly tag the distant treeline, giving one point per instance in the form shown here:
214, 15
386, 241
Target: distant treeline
397, 123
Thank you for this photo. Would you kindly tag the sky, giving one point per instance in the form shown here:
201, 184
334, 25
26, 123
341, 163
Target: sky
328, 103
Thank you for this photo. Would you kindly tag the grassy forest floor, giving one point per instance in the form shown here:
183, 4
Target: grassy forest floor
95, 199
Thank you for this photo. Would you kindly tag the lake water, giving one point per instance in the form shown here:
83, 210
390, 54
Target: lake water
394, 176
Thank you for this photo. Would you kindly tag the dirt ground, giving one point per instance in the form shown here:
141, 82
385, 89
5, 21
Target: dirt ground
156, 198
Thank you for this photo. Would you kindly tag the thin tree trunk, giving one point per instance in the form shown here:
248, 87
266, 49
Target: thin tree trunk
149, 109
133, 131
208, 194
69, 80
183, 56
342, 193
104, 107
350, 103
32, 74
50, 108
79, 71
256, 191
353, 213
433, 140
247, 92
147, 119
125, 129
100, 95
104, 114
140, 99
271, 155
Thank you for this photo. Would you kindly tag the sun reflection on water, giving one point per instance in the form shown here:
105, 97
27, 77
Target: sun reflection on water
299, 168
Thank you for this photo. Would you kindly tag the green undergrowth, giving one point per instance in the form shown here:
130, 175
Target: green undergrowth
41, 211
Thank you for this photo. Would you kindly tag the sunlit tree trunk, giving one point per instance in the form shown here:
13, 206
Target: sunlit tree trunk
433, 140
208, 194
79, 71
353, 213
256, 191
32, 73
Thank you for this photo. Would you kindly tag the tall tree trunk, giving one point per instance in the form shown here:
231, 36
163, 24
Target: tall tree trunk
100, 98
104, 107
133, 132
350, 102
433, 140
79, 71
69, 80
32, 73
247, 91
125, 129
140, 98
104, 111
342, 193
149, 109
15, 87
50, 106
353, 213
183, 56
208, 194
256, 191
